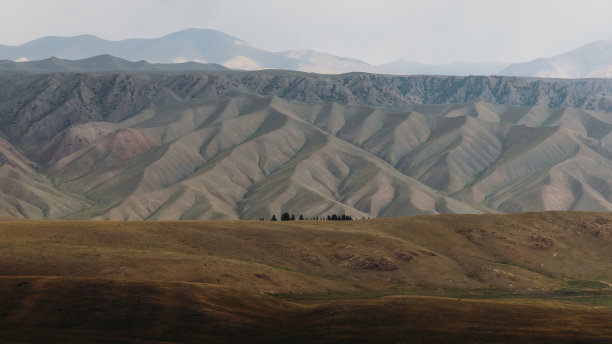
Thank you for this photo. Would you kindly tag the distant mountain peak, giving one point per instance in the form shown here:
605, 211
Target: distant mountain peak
592, 60
198, 33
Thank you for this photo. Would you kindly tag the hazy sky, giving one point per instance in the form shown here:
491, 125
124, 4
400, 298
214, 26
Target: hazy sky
430, 31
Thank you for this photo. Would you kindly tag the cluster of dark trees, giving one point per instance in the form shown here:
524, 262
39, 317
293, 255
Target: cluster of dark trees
291, 217
342, 217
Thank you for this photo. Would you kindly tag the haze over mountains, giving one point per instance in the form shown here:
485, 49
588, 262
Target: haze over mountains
213, 47
246, 145
593, 60
198, 45
455, 68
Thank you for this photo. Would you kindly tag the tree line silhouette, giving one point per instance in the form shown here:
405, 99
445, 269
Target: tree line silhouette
291, 217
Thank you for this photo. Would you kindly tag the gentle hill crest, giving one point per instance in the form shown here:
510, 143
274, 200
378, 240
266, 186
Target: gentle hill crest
447, 278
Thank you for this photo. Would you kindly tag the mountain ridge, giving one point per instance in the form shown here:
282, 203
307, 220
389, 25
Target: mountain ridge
215, 47
228, 145
103, 63
197, 45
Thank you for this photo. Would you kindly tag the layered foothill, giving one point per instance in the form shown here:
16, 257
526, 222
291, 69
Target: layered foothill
157, 146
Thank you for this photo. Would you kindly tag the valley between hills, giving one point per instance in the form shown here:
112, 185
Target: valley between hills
530, 277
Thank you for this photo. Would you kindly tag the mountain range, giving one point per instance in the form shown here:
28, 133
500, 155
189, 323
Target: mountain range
206, 46
195, 45
251, 144
104, 63
462, 279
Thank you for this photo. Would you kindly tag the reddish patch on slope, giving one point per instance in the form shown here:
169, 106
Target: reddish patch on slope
76, 138
113, 150
125, 144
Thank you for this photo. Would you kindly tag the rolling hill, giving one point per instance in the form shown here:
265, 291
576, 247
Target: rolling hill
527, 277
513, 252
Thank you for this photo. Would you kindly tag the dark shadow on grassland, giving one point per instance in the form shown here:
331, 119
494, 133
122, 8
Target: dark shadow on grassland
77, 310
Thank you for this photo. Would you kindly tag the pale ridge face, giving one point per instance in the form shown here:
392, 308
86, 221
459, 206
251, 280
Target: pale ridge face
593, 60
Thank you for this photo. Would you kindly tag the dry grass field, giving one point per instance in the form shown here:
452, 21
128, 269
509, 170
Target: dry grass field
531, 277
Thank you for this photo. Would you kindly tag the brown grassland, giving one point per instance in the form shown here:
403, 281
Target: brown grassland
531, 277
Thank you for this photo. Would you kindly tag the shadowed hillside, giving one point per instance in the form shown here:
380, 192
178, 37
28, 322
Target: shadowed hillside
542, 277
114, 311
521, 252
